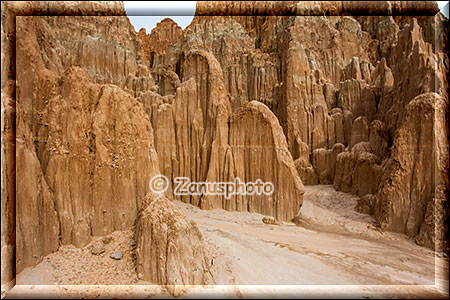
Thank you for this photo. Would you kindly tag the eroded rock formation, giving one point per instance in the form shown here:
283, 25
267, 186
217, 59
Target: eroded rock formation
88, 100
35, 203
414, 178
159, 40
95, 151
85, 144
256, 92
339, 86
35, 188
198, 137
260, 152
170, 247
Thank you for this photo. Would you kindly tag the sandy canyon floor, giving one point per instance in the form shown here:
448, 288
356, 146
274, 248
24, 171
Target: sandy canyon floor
331, 246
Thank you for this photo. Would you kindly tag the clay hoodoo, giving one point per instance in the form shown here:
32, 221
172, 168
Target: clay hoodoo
336, 84
91, 110
169, 246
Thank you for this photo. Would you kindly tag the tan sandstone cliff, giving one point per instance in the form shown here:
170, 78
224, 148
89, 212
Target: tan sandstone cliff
84, 145
287, 92
338, 85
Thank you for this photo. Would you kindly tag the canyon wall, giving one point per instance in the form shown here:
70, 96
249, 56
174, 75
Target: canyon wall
91, 110
83, 97
79, 147
339, 87
27, 201
93, 142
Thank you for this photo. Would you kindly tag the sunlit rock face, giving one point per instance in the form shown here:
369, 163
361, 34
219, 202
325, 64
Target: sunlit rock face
339, 86
91, 110
170, 248
93, 116
84, 144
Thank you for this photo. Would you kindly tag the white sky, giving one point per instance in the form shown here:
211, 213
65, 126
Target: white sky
441, 5
146, 14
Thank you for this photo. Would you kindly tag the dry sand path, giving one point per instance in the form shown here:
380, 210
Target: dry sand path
332, 245
333, 251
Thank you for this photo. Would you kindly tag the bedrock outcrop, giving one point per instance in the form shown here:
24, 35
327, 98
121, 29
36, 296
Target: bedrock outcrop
198, 137
86, 149
156, 43
260, 152
416, 175
97, 158
30, 249
95, 116
35, 203
338, 85
169, 249
257, 92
